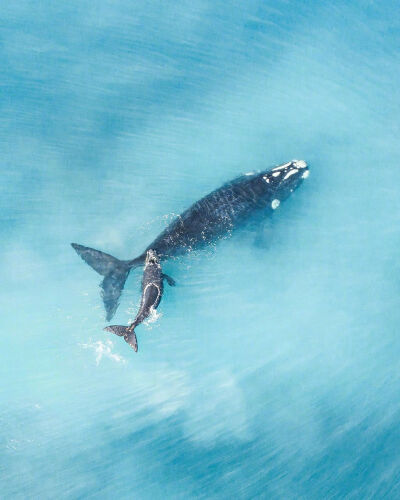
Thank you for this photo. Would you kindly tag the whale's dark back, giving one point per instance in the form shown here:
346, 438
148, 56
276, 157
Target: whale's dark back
224, 209
208, 219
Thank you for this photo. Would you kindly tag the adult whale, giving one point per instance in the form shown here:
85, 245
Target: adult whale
208, 219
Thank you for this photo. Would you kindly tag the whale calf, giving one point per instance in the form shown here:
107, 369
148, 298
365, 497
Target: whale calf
152, 290
207, 220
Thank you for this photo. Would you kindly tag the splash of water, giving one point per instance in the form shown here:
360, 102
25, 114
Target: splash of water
103, 349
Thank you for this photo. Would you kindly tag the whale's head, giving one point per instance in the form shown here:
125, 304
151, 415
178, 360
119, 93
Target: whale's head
151, 257
284, 179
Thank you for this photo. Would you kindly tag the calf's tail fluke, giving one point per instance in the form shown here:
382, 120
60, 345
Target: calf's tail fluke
126, 332
115, 272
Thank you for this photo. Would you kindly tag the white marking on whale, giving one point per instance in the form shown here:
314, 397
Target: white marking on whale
281, 167
275, 204
291, 172
299, 164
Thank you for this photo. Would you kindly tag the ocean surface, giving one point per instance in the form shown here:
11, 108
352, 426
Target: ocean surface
273, 368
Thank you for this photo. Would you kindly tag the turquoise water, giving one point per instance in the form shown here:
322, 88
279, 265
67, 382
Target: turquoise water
273, 368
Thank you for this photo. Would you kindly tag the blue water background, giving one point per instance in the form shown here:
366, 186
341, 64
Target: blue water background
273, 369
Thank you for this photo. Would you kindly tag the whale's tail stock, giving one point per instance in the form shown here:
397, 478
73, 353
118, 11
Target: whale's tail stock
124, 331
115, 273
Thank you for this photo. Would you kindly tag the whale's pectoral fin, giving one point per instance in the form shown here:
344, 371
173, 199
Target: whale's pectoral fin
264, 234
170, 281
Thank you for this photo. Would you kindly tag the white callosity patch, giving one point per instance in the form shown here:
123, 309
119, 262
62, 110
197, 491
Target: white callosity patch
276, 174
299, 163
291, 172
275, 204
266, 179
281, 167
306, 174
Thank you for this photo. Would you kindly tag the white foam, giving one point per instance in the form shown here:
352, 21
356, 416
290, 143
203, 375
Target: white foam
306, 174
103, 349
153, 317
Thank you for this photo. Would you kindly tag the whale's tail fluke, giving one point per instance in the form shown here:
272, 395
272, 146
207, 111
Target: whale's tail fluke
126, 332
115, 272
